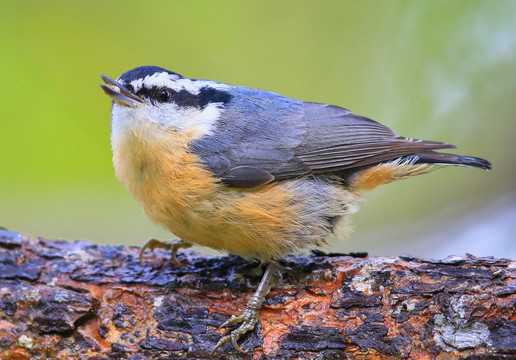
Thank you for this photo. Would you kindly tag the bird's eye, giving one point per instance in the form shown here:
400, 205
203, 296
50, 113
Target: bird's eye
130, 88
163, 95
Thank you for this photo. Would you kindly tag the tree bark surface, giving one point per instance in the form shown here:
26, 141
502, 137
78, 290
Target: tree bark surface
77, 300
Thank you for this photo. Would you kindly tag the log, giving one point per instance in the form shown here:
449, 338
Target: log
78, 300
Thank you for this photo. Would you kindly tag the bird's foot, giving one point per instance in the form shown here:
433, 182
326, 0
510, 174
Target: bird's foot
249, 317
173, 246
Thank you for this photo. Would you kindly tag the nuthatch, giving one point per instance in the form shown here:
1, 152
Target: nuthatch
248, 171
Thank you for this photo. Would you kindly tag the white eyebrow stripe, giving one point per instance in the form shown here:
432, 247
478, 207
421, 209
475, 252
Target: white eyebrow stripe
137, 84
171, 81
176, 83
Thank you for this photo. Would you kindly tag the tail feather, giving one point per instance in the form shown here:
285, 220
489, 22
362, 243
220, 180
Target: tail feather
432, 157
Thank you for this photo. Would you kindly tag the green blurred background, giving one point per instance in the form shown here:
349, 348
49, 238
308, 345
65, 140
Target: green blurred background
436, 70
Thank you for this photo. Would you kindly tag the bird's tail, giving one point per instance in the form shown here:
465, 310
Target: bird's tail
433, 157
412, 165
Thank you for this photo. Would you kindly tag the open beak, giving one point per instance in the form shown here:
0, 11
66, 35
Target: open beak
119, 93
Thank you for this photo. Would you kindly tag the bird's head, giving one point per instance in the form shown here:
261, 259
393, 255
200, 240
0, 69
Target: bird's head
159, 100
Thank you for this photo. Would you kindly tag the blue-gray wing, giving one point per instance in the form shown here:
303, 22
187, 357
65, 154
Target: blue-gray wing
262, 137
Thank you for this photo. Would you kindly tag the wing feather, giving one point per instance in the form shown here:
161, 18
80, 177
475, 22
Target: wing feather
289, 138
337, 139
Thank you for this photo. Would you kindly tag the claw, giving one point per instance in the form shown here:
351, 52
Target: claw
223, 341
232, 320
234, 339
172, 246
249, 317
235, 335
176, 245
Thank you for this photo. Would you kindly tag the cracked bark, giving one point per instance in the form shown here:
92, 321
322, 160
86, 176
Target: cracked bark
77, 300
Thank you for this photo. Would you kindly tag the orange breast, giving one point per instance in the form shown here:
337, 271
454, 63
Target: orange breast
178, 193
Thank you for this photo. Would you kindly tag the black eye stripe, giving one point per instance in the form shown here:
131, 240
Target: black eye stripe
208, 95
144, 92
184, 98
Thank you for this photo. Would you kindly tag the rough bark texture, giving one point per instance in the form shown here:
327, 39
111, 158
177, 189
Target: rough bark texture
76, 300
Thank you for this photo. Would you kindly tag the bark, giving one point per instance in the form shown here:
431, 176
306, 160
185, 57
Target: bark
77, 300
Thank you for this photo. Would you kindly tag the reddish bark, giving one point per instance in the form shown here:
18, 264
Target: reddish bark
76, 300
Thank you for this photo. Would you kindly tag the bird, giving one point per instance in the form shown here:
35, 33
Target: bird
249, 171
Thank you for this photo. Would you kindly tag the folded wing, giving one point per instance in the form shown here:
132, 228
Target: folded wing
270, 134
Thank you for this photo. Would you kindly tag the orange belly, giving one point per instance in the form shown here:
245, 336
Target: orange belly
176, 192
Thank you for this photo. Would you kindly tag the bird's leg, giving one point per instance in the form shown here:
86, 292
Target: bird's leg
249, 316
173, 246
